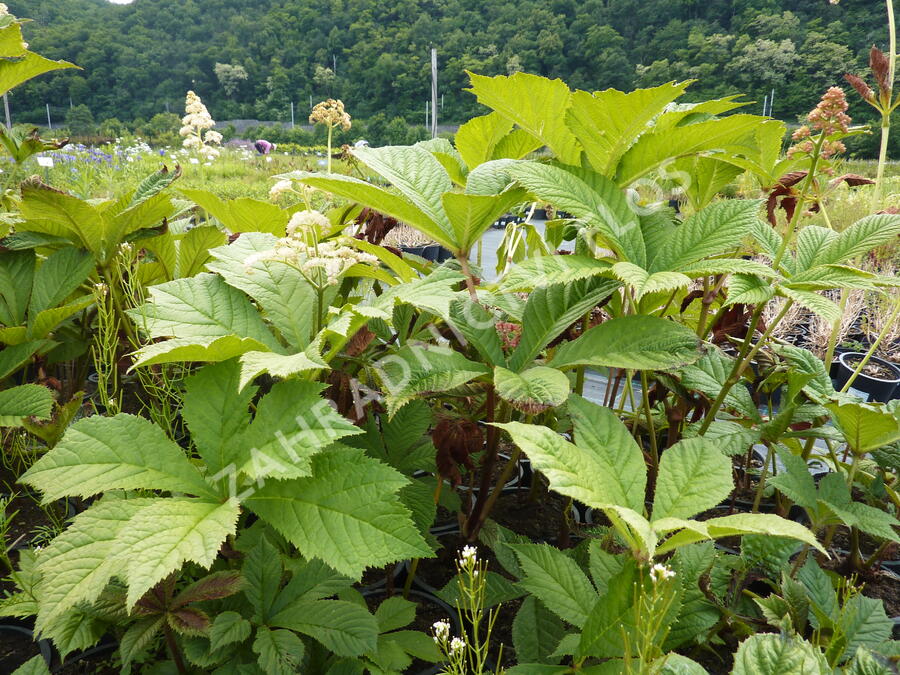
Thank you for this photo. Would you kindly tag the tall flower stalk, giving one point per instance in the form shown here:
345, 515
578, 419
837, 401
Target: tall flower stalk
883, 67
331, 113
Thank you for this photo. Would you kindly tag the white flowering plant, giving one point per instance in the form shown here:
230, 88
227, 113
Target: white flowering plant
468, 654
197, 127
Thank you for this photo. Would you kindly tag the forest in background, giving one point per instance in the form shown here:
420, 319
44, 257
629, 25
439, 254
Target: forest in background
250, 60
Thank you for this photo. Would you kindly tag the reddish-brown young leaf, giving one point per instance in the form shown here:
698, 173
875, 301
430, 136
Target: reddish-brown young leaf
851, 179
189, 621
689, 298
455, 440
213, 586
375, 225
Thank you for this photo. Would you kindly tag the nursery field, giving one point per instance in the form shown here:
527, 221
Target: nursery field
607, 385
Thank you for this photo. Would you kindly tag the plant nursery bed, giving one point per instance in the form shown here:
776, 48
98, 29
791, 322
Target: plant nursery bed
16, 647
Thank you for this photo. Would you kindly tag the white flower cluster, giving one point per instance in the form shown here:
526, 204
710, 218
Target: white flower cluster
308, 221
468, 556
197, 126
457, 645
280, 188
322, 263
441, 631
4, 10
330, 113
661, 572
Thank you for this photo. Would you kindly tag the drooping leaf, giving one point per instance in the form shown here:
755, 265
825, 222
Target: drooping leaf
635, 342
533, 390
542, 271
607, 122
242, 214
123, 452
203, 306
162, 536
78, 564
865, 427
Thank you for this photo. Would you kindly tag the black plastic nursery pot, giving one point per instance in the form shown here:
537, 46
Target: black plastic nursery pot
878, 388
14, 641
433, 252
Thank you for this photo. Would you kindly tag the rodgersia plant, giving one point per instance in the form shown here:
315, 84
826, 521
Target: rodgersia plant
197, 127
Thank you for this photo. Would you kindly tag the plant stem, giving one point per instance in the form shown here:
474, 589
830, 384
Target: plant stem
173, 648
835, 329
862, 364
463, 258
645, 395
886, 110
745, 355
329, 148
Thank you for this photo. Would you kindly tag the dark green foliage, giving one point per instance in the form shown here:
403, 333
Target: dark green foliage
139, 57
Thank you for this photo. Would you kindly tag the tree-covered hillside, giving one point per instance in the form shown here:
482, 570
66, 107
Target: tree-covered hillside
374, 54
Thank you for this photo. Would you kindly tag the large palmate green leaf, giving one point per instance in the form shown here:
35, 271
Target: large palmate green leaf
556, 580
78, 564
730, 136
283, 295
347, 513
292, 423
162, 536
536, 104
859, 238
278, 365
709, 177
768, 654
865, 426
203, 306
343, 627
15, 71
552, 309
27, 400
635, 342
533, 390
550, 269
717, 229
694, 475
243, 214
587, 473
123, 452
419, 369
476, 139
216, 410
382, 200
591, 197
203, 349
606, 123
